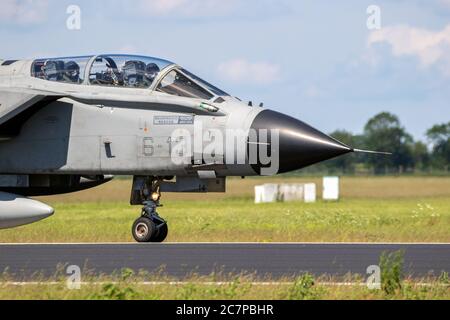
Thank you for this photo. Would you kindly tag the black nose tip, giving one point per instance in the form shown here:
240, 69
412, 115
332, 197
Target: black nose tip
300, 145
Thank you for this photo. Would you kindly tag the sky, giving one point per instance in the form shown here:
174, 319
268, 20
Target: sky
315, 60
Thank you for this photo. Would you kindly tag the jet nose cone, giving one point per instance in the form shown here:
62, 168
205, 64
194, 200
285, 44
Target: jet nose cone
300, 145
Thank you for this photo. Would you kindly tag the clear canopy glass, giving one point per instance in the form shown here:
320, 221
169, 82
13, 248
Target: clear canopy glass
176, 83
207, 85
126, 71
67, 70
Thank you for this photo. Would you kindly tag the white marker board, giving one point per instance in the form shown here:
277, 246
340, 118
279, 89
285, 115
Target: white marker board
267, 193
291, 192
310, 193
331, 188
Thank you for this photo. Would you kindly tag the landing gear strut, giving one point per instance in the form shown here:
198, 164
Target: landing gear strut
150, 227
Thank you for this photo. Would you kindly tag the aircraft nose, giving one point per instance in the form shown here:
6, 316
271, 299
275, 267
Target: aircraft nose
300, 145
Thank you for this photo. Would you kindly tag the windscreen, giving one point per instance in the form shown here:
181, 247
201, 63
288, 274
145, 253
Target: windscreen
207, 85
176, 83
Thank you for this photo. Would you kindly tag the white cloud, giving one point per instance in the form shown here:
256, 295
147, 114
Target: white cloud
187, 8
242, 71
23, 11
445, 3
430, 47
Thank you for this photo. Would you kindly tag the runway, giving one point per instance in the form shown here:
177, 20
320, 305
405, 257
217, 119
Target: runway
26, 262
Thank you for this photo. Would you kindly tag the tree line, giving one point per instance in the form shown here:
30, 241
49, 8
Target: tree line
384, 132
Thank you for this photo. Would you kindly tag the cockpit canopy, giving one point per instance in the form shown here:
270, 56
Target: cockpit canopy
126, 71
67, 70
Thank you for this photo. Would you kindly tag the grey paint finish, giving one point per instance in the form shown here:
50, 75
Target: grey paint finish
95, 130
17, 211
69, 137
14, 103
43, 144
274, 260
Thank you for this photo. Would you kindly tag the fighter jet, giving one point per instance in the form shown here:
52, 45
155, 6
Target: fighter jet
73, 123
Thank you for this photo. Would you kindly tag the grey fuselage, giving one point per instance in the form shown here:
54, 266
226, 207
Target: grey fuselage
66, 136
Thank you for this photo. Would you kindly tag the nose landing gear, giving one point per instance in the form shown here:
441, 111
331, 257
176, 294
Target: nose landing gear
150, 227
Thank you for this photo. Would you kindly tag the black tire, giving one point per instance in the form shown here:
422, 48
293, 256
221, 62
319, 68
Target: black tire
143, 230
161, 235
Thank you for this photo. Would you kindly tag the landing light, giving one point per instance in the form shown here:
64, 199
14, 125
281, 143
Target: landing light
208, 107
156, 196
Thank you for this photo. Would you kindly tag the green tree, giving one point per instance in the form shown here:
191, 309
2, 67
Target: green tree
421, 156
439, 137
385, 133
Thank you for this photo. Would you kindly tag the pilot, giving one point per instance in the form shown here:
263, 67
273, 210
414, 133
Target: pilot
72, 72
133, 72
151, 71
53, 70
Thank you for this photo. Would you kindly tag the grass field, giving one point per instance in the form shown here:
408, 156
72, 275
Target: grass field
371, 210
243, 287
233, 291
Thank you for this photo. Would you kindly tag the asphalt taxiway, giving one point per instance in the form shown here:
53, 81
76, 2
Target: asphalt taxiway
179, 260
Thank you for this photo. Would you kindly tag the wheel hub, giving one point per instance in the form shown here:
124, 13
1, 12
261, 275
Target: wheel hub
141, 230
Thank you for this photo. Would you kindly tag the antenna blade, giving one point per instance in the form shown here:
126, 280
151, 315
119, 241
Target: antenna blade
372, 152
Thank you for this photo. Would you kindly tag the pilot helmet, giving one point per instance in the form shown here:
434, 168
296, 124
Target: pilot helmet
151, 71
72, 71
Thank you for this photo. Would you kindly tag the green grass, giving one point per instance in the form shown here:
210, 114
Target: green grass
236, 220
238, 288
382, 209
